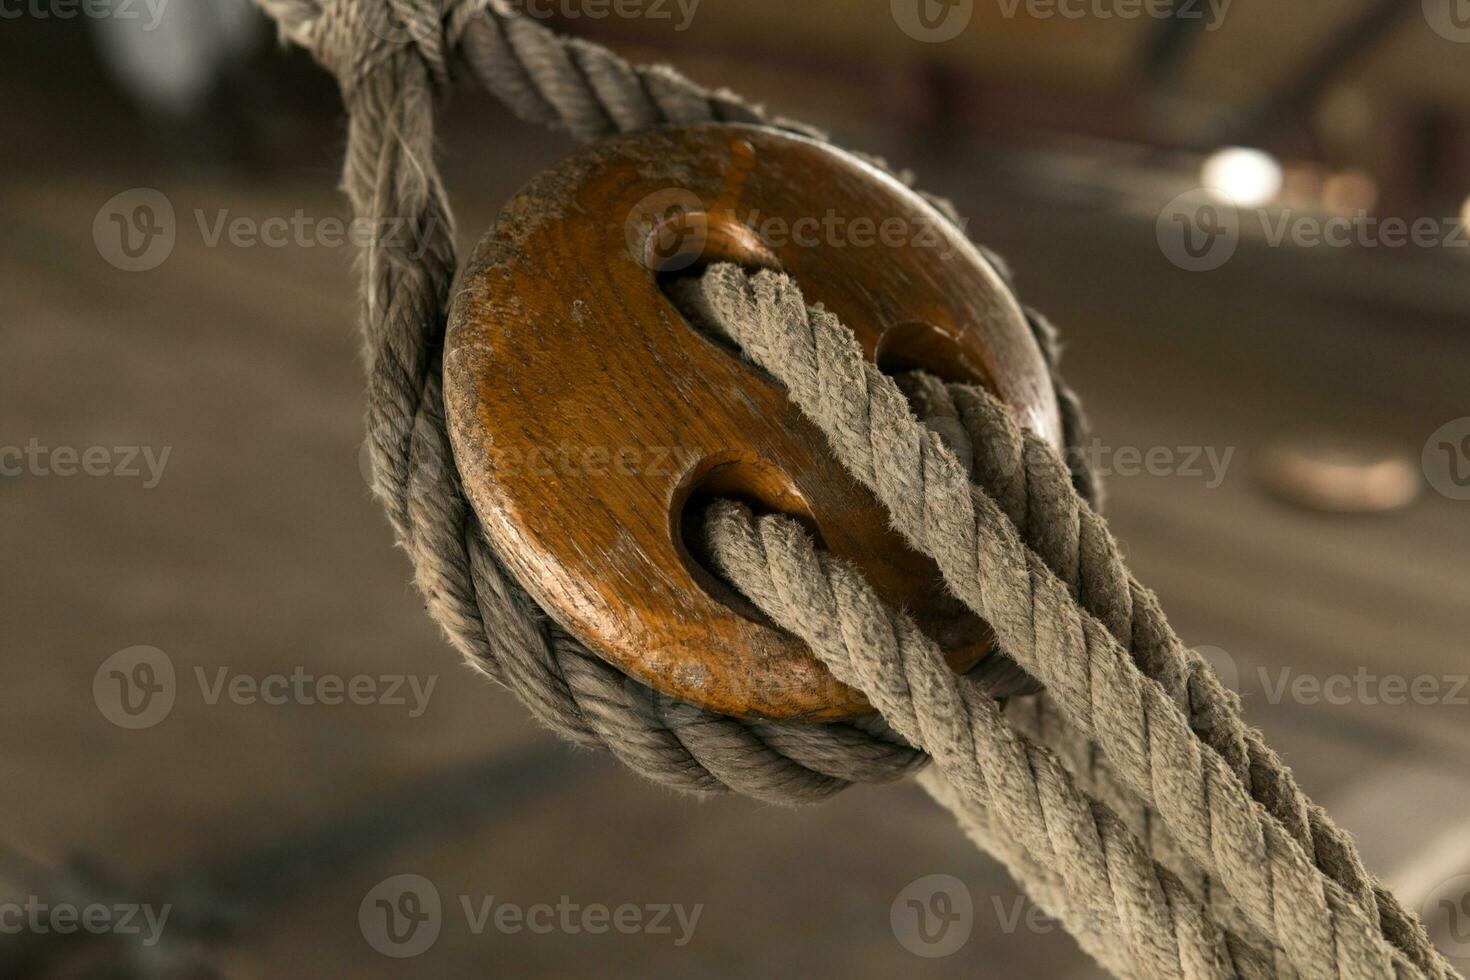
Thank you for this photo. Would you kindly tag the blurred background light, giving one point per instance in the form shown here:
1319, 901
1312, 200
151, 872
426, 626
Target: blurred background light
1248, 178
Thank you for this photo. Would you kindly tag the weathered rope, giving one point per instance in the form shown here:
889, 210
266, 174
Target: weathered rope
390, 63
1050, 891
1227, 820
1037, 719
1030, 798
1030, 484
392, 57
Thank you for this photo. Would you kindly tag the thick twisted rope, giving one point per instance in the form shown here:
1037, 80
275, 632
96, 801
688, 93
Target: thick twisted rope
1029, 483
391, 57
1029, 796
1286, 885
1049, 890
1039, 720
390, 60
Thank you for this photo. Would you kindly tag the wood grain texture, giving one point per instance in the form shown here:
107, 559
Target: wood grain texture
590, 419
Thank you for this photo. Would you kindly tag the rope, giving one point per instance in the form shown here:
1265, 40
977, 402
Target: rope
391, 58
1038, 719
1174, 757
1027, 481
1114, 887
391, 175
1133, 689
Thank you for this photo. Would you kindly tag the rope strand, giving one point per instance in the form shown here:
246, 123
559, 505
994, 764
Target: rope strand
1024, 790
1287, 889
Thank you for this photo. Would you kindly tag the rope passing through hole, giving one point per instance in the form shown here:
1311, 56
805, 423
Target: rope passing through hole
1248, 878
1072, 627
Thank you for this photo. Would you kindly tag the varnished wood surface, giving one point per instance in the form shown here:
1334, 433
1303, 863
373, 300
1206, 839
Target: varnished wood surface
591, 420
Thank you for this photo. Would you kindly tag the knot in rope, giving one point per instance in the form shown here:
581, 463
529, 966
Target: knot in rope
354, 38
